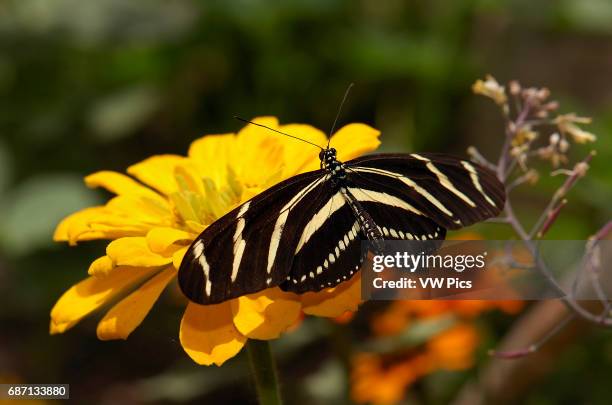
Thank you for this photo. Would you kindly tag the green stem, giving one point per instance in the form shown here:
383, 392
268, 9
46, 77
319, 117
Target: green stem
264, 372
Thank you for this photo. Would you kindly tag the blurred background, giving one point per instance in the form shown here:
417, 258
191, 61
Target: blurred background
95, 85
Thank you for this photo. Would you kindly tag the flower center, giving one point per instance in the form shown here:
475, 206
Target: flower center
198, 202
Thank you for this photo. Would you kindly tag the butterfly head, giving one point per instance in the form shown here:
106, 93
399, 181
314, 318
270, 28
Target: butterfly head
327, 156
330, 163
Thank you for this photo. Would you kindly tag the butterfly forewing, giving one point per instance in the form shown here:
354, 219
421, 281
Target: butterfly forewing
250, 248
452, 192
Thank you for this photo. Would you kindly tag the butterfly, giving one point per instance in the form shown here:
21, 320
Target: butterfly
304, 233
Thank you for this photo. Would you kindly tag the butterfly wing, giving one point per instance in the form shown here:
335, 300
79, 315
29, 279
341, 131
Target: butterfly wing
250, 248
329, 249
450, 191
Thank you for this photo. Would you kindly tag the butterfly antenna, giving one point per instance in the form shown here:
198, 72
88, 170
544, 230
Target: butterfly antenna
277, 131
346, 93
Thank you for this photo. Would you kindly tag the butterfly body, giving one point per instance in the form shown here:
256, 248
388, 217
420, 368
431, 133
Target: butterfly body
338, 179
304, 233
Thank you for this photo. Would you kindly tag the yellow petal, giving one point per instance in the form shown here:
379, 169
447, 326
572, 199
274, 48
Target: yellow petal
177, 257
122, 216
208, 334
257, 154
264, 315
195, 227
211, 155
353, 140
75, 223
126, 315
160, 239
139, 209
134, 251
188, 178
158, 172
299, 156
119, 184
101, 266
250, 132
90, 294
113, 223
105, 232
335, 301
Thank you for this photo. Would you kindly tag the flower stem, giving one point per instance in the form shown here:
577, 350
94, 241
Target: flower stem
264, 372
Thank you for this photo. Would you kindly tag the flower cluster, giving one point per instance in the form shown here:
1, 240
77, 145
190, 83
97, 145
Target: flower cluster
528, 113
164, 205
532, 130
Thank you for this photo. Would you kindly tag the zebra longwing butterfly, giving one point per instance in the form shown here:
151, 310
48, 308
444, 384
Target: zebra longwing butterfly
303, 234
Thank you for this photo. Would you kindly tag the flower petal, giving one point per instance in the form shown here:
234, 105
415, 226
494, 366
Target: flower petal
160, 239
141, 210
122, 216
177, 257
134, 251
101, 266
298, 156
187, 177
90, 294
264, 315
208, 334
211, 155
75, 224
353, 140
126, 315
158, 172
255, 156
119, 184
333, 302
253, 133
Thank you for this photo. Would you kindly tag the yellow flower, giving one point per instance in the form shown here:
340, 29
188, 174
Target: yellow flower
490, 88
567, 125
166, 203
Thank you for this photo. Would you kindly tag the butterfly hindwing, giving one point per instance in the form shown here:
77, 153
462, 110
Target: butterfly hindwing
329, 250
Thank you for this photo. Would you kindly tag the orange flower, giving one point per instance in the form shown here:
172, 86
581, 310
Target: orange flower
454, 348
168, 202
384, 379
345, 318
373, 381
392, 321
